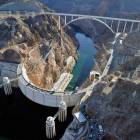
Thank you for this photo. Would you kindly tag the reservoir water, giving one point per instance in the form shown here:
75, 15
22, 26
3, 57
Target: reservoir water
85, 62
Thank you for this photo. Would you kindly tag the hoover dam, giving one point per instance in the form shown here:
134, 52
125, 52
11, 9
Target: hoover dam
56, 65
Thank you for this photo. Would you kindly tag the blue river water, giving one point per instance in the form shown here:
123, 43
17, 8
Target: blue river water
85, 62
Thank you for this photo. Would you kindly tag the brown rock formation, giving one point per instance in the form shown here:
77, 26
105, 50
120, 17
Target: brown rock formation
11, 56
118, 110
109, 137
34, 38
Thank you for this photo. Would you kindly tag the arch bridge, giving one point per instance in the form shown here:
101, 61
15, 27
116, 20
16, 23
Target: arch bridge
115, 25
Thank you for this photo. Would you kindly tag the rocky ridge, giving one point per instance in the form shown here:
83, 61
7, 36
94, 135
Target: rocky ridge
115, 101
36, 36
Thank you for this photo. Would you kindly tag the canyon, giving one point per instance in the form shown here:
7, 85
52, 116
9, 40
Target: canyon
29, 37
115, 100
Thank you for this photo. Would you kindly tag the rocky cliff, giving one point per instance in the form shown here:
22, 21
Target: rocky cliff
4, 1
116, 107
127, 56
115, 101
36, 42
118, 110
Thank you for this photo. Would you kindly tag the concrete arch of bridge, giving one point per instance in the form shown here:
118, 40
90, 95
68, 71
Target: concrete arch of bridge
90, 18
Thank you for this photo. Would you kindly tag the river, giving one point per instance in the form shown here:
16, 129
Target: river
85, 62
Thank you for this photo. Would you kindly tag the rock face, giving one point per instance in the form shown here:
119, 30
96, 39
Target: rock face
126, 55
109, 137
36, 42
55, 63
21, 5
4, 1
11, 56
115, 103
119, 110
14, 31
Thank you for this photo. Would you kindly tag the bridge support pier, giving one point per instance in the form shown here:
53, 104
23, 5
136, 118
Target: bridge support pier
59, 23
138, 27
124, 29
72, 18
111, 24
118, 26
131, 28
105, 21
65, 20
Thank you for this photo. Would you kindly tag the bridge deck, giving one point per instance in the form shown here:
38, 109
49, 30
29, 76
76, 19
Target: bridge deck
22, 14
